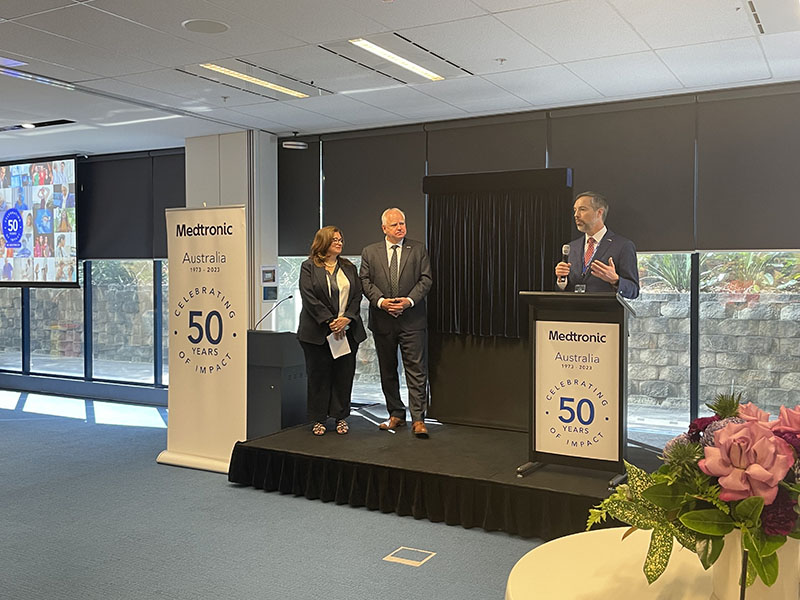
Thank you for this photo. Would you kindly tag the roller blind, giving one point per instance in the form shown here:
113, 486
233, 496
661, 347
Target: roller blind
642, 160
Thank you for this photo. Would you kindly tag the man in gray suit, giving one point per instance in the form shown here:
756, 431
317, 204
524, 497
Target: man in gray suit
600, 260
396, 276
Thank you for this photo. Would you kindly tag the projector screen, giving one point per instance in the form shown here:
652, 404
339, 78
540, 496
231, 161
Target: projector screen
38, 238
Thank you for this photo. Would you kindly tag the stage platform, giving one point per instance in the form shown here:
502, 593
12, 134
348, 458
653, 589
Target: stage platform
461, 475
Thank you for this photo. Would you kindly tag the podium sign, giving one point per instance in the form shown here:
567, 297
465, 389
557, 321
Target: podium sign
577, 389
578, 379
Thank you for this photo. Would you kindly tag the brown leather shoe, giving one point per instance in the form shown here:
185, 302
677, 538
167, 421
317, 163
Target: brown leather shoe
418, 429
392, 423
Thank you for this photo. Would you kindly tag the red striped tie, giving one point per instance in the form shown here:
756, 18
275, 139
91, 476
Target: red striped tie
589, 253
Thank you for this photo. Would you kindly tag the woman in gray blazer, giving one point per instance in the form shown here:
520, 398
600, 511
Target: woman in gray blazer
331, 293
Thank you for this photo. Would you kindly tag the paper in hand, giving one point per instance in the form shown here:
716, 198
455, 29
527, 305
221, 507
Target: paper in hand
338, 347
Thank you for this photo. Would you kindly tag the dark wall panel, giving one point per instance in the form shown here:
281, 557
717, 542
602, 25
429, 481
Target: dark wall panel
169, 191
122, 201
642, 159
366, 175
748, 176
499, 145
115, 217
298, 199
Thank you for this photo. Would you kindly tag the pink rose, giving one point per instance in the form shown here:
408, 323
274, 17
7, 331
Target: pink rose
750, 412
749, 460
789, 420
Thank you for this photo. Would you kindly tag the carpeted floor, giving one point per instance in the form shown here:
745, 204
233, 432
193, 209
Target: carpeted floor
86, 513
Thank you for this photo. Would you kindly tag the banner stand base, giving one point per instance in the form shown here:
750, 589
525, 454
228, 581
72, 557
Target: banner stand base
192, 461
528, 468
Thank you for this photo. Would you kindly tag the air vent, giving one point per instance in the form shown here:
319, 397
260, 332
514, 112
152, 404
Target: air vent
320, 91
218, 82
402, 47
775, 16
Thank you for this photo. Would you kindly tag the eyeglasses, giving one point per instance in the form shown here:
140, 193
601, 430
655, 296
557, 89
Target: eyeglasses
340, 240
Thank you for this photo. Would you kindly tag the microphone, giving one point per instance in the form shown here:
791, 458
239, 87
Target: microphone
274, 306
565, 253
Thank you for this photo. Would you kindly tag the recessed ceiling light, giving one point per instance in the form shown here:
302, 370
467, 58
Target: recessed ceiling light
398, 60
254, 80
204, 26
28, 126
10, 62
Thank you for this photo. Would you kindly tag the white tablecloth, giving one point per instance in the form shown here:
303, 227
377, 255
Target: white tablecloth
598, 565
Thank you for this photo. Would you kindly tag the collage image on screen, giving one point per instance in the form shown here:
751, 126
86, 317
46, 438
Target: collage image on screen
37, 213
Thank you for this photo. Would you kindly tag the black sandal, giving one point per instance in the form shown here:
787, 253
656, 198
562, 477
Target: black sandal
318, 429
342, 427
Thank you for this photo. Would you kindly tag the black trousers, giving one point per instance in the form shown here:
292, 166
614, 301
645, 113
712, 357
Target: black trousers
330, 382
412, 351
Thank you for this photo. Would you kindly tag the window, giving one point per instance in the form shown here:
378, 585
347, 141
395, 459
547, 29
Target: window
749, 314
57, 331
122, 320
11, 326
658, 350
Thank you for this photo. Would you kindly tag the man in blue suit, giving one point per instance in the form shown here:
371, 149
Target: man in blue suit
600, 259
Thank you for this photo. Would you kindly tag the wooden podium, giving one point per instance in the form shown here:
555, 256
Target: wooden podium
276, 382
577, 379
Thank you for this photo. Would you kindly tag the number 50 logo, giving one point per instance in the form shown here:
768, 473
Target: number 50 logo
583, 411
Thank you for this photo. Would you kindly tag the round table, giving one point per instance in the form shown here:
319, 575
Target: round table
599, 564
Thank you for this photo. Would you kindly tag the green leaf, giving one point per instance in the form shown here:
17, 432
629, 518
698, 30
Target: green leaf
709, 549
710, 521
772, 543
638, 479
658, 553
637, 515
748, 511
668, 497
766, 566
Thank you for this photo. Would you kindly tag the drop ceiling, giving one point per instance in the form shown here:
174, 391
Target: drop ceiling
138, 81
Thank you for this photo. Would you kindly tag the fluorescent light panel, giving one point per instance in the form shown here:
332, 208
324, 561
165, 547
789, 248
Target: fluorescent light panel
398, 60
138, 121
254, 80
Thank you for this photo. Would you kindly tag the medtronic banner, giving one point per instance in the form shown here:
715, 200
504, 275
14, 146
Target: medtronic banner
207, 251
577, 389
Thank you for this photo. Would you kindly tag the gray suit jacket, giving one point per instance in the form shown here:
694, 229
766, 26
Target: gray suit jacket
414, 282
612, 245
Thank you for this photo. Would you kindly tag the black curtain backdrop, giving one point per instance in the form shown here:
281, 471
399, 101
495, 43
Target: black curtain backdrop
491, 236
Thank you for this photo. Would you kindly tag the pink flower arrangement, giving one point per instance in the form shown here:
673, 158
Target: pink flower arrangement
749, 460
734, 470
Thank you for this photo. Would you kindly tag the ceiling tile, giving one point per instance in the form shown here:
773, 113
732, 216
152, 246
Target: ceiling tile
629, 74
668, 23
413, 13
575, 30
56, 49
136, 92
344, 108
717, 63
478, 44
311, 21
504, 5
472, 94
84, 24
201, 92
410, 103
45, 69
545, 86
296, 119
11, 9
782, 54
243, 120
245, 36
